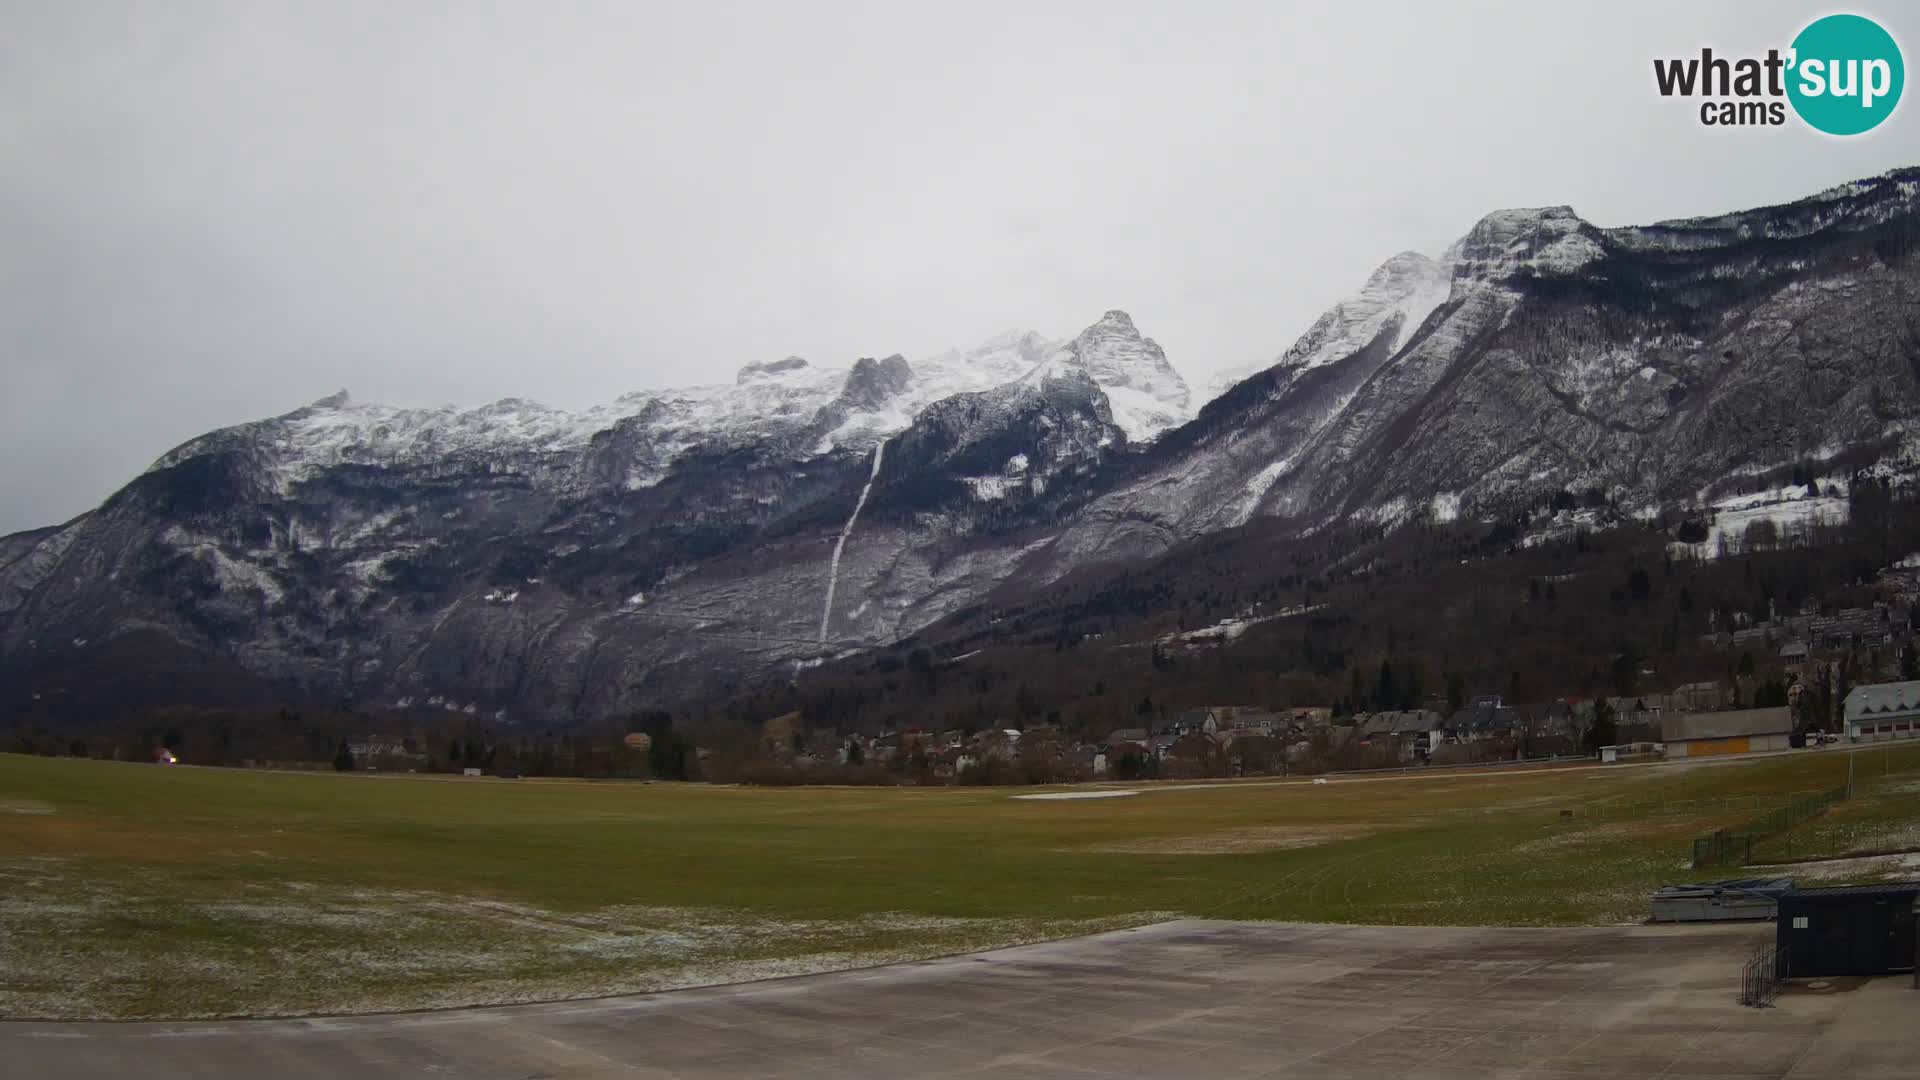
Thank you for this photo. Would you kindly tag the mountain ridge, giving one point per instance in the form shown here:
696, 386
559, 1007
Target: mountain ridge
533, 564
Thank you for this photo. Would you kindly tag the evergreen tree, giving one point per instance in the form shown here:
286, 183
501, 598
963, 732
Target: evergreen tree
1604, 731
1385, 695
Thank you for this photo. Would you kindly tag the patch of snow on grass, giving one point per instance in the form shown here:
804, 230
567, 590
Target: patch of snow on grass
292, 948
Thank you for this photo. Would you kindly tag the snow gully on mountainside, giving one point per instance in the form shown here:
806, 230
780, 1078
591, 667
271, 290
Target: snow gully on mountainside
840, 545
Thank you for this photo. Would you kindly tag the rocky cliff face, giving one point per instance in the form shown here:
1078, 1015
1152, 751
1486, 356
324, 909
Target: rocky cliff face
532, 565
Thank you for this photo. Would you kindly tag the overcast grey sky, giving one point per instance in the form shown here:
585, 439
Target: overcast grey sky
215, 212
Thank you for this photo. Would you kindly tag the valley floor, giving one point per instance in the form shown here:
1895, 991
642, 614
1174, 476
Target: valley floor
136, 891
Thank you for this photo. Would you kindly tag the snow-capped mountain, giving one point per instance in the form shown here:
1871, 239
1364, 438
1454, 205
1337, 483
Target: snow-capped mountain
531, 564
515, 554
804, 410
1650, 363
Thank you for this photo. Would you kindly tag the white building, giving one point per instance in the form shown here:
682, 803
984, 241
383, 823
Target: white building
1883, 711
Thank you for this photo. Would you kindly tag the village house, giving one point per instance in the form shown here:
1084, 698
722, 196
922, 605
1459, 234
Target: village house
1195, 752
1488, 717
1697, 697
1554, 729
996, 743
384, 746
1794, 656
1373, 728
1189, 721
1252, 722
1636, 726
1158, 746
946, 762
1085, 761
1418, 731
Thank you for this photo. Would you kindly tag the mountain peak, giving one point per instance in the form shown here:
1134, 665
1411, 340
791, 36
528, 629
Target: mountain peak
1545, 239
872, 382
1402, 272
763, 369
1148, 396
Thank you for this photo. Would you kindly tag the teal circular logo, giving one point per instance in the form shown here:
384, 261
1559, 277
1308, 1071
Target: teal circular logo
1846, 76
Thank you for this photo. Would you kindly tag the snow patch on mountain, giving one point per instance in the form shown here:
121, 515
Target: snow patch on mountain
1257, 487
1789, 509
230, 574
991, 488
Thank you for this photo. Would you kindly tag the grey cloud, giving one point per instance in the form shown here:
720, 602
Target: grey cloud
214, 212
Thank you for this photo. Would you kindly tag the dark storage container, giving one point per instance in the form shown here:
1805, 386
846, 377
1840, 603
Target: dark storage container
1848, 929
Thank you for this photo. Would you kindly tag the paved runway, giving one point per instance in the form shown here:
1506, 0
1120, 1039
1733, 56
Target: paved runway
1189, 998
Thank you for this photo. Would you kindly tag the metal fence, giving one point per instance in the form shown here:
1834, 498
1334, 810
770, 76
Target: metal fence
1729, 847
1723, 848
1760, 979
1652, 808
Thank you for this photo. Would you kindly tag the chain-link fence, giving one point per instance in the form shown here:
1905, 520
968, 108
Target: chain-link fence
1656, 808
1722, 848
1734, 847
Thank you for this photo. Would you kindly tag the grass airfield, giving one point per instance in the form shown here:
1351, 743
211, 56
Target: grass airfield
136, 891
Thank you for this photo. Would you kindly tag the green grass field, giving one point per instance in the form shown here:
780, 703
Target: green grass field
138, 891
